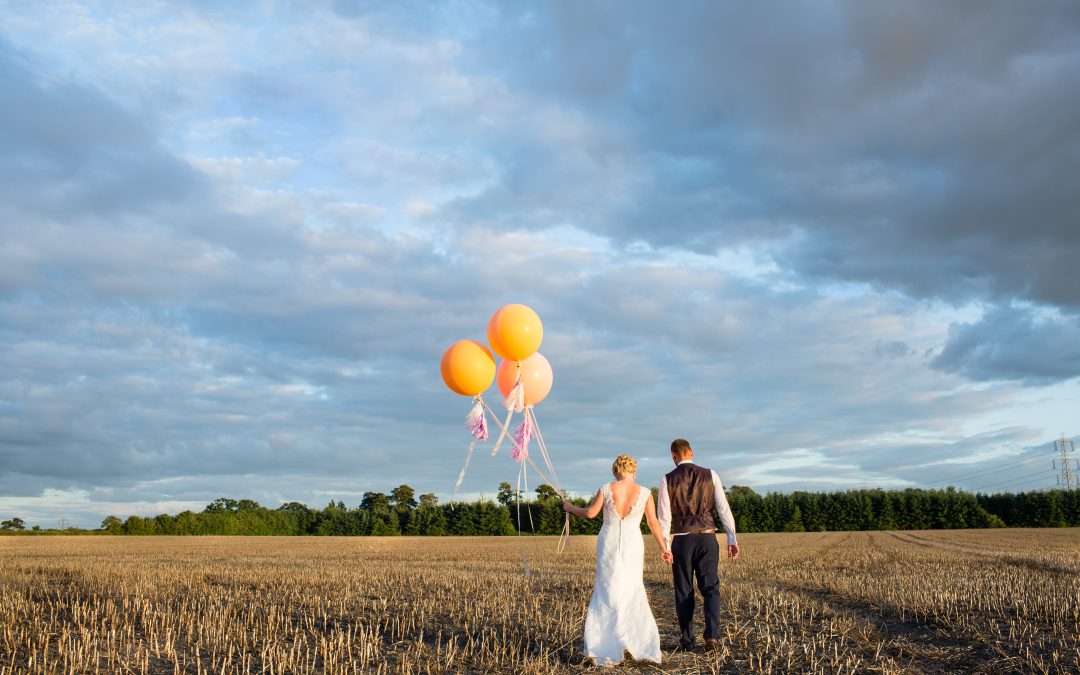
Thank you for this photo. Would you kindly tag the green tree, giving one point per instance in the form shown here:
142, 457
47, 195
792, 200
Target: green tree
462, 519
187, 522
13, 524
374, 501
494, 520
545, 492
795, 521
222, 505
112, 525
164, 524
552, 517
507, 494
747, 507
137, 525
431, 519
428, 519
385, 525
410, 526
403, 497
303, 518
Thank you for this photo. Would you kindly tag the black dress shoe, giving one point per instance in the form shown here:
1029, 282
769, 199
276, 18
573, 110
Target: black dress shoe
712, 645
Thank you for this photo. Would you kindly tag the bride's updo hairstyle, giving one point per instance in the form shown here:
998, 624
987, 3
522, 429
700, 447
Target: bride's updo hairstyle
624, 466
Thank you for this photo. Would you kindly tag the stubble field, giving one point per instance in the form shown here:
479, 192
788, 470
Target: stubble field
959, 601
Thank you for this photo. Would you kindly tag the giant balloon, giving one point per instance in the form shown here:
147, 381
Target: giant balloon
468, 367
515, 332
536, 377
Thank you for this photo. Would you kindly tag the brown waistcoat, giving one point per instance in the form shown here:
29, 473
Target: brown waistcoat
692, 498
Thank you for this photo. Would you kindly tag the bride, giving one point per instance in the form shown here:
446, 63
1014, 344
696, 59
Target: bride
619, 616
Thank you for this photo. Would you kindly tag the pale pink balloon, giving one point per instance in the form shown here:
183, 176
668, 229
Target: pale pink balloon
536, 377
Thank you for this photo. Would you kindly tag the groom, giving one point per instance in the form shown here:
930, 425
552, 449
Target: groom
686, 500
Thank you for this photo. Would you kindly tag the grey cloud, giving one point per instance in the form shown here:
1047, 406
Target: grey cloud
66, 148
893, 349
1013, 343
926, 148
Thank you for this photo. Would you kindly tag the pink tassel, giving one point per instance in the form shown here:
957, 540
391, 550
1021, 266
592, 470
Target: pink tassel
515, 400
476, 422
523, 435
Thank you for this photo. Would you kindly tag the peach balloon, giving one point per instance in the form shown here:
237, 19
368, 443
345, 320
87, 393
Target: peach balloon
515, 332
536, 377
468, 367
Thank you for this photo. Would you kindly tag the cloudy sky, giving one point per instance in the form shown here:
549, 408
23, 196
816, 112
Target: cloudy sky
833, 244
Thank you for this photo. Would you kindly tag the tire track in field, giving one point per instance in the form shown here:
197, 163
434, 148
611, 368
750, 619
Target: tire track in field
917, 644
1031, 562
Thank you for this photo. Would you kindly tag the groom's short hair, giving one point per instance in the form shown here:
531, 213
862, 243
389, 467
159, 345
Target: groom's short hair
681, 447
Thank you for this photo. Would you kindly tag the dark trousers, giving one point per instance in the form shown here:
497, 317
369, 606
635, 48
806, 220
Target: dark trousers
696, 555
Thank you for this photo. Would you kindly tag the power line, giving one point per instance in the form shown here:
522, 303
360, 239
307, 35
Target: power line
1042, 475
966, 476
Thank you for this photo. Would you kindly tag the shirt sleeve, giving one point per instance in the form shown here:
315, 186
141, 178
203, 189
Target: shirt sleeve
663, 511
727, 519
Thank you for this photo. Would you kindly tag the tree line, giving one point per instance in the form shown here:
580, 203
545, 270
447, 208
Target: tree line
401, 512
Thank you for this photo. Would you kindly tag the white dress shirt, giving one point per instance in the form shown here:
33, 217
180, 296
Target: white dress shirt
663, 508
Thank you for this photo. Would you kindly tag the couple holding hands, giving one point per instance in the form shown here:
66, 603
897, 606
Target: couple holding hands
682, 524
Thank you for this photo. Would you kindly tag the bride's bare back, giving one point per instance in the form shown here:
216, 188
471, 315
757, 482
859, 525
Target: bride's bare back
624, 494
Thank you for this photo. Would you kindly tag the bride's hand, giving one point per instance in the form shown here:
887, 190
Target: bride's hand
667, 556
567, 506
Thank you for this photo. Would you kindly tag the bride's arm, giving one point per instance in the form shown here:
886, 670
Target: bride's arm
590, 511
654, 524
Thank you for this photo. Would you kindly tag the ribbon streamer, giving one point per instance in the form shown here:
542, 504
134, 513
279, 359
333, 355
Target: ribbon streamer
521, 545
523, 435
507, 433
476, 423
565, 535
543, 447
525, 479
514, 402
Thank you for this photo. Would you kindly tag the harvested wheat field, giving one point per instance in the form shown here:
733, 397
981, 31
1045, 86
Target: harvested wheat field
959, 601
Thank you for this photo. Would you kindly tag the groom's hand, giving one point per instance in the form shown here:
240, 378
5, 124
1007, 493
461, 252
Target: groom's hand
733, 551
667, 556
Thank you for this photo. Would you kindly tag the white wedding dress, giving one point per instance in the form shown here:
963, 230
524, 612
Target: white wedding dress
619, 614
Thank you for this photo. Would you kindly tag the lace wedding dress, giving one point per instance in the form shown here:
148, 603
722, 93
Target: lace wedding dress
619, 614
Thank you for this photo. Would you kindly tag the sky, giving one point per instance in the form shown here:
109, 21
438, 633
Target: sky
833, 244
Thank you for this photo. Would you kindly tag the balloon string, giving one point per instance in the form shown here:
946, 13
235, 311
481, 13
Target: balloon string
564, 536
532, 526
504, 433
514, 441
521, 544
461, 476
543, 447
514, 402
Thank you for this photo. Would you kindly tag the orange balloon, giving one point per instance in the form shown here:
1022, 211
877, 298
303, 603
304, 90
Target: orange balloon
536, 377
515, 332
468, 367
